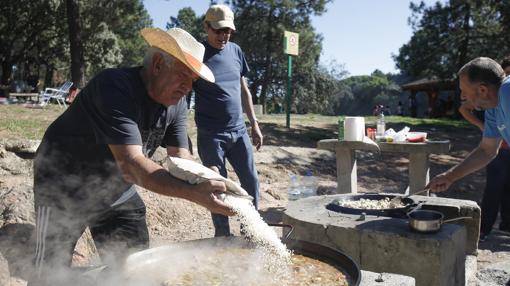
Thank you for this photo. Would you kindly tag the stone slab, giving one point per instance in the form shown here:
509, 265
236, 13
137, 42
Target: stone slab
369, 278
382, 244
434, 147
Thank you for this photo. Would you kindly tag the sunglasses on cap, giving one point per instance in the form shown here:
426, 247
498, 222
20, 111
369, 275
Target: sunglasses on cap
227, 30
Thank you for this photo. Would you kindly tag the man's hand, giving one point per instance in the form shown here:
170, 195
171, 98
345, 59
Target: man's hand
440, 183
207, 195
256, 135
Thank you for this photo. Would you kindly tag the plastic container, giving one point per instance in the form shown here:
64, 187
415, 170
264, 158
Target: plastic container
309, 184
381, 126
415, 137
295, 191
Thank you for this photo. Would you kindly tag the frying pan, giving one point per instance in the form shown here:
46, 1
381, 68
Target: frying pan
409, 205
428, 221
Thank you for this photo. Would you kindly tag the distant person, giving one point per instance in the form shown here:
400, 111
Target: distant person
375, 110
400, 109
412, 106
222, 133
505, 64
33, 83
484, 86
92, 156
387, 110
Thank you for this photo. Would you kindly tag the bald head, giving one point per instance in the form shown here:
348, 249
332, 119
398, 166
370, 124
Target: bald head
483, 70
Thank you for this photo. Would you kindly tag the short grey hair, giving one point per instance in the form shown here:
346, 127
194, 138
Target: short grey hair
149, 54
483, 70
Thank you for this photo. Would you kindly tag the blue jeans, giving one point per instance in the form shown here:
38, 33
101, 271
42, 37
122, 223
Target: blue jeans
214, 148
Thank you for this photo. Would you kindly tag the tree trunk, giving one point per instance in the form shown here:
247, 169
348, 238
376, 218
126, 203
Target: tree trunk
48, 76
463, 49
6, 72
76, 45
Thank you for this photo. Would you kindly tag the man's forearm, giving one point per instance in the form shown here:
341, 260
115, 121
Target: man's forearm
476, 160
138, 169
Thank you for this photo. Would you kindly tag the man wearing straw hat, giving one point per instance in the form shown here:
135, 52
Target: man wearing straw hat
92, 156
219, 106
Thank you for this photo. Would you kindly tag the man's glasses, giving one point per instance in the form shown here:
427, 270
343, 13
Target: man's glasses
227, 31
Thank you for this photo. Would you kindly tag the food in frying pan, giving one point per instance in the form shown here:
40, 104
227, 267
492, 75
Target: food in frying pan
368, 204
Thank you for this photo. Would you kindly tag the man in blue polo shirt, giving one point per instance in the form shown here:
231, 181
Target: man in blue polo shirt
483, 85
219, 117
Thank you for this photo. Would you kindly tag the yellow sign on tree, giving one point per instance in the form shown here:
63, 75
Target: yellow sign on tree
291, 43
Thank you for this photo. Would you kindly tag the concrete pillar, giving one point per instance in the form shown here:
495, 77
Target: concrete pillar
346, 170
419, 169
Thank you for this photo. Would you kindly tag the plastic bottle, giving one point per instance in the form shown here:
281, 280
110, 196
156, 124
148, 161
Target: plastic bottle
381, 126
295, 191
309, 183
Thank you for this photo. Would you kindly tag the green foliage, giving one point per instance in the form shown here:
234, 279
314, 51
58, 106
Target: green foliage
268, 20
34, 35
188, 20
111, 31
361, 93
447, 35
28, 32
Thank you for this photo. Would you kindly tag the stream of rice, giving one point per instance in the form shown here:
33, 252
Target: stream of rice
276, 254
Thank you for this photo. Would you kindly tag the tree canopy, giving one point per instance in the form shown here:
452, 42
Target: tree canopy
447, 35
35, 35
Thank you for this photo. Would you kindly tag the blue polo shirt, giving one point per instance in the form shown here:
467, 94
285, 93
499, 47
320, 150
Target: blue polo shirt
497, 120
218, 105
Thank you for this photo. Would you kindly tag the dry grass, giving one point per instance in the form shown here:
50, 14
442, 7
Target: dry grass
20, 121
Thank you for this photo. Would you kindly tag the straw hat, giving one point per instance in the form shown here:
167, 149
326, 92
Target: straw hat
220, 16
182, 46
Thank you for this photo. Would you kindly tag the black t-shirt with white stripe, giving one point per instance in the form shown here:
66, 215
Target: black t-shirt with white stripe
114, 108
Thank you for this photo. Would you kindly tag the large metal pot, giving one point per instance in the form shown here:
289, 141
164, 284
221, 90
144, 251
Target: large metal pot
428, 221
409, 205
145, 261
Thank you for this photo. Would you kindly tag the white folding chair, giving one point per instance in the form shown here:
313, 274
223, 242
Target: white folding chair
59, 94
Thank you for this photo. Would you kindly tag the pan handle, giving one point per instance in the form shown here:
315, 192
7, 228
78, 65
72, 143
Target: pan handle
457, 218
291, 229
415, 208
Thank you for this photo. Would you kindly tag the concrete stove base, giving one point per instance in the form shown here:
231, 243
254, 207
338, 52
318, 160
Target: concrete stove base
369, 278
382, 244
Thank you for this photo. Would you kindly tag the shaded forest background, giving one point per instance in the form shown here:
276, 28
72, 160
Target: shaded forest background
51, 41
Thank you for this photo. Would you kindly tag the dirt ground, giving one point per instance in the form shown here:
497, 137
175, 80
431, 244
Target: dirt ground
293, 151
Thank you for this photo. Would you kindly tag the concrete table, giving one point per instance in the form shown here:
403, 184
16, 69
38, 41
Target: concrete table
419, 165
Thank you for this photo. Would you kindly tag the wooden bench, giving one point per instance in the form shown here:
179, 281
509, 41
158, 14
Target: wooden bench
29, 96
346, 166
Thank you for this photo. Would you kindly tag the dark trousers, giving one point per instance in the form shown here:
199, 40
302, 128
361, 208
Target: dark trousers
117, 231
496, 197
